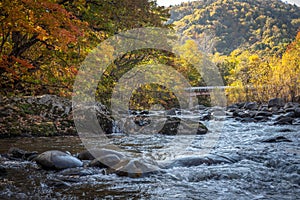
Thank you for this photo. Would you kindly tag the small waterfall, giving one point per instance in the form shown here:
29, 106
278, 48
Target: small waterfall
116, 128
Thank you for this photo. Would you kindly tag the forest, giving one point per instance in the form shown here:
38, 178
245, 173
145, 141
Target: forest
255, 44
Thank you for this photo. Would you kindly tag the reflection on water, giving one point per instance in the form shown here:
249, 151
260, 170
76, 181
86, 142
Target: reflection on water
266, 170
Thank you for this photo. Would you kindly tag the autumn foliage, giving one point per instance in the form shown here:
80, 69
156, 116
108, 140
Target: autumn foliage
43, 42
259, 78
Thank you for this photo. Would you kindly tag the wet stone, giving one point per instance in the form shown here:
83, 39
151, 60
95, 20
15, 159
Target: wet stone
96, 153
134, 168
57, 160
276, 102
251, 106
276, 139
106, 161
2, 171
284, 120
21, 154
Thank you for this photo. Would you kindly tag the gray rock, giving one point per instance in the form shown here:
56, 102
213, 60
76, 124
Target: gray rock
261, 118
171, 126
241, 114
251, 106
276, 139
283, 120
199, 107
264, 113
289, 114
172, 111
206, 117
86, 155
237, 105
107, 161
57, 183
196, 161
247, 120
290, 105
296, 121
78, 172
14, 152
2, 170
276, 102
134, 168
21, 196
297, 113
202, 129
97, 153
57, 160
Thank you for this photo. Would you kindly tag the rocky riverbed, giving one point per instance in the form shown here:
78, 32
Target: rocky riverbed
255, 154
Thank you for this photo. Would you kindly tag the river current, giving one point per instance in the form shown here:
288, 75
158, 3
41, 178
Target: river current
265, 170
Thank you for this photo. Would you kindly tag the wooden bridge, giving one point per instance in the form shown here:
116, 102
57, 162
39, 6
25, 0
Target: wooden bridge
206, 90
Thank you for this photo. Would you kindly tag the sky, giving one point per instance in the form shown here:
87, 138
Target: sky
174, 2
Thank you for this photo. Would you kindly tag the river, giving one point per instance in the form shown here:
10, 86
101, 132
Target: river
266, 170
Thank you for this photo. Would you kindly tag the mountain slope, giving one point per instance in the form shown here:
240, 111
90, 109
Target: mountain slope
225, 25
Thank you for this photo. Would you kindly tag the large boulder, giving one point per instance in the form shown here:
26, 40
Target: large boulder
171, 126
86, 113
276, 102
175, 125
57, 160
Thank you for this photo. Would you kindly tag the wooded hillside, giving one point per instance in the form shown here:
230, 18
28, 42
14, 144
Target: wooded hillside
225, 25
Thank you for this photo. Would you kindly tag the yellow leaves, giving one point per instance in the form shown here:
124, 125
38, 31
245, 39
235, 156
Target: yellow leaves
42, 34
268, 77
254, 58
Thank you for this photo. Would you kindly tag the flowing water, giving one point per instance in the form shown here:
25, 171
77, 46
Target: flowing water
264, 170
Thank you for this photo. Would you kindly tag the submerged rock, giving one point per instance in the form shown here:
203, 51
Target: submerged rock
58, 183
276, 139
284, 120
97, 153
103, 158
57, 160
22, 154
106, 161
134, 168
117, 163
196, 161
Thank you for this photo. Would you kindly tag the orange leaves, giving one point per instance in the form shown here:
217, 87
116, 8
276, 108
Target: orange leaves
49, 20
42, 42
23, 63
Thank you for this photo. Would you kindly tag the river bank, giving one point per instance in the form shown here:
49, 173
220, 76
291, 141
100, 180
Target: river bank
50, 115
